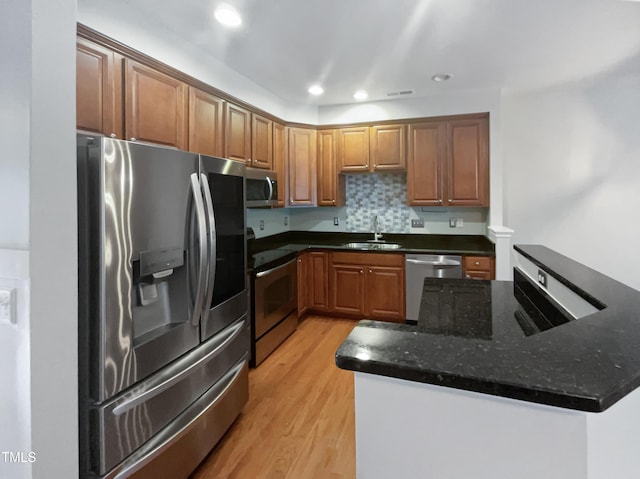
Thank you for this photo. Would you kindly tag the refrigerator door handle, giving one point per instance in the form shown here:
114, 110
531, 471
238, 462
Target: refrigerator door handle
223, 341
211, 277
202, 243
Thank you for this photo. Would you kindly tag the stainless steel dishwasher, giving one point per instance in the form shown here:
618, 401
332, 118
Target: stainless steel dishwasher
421, 266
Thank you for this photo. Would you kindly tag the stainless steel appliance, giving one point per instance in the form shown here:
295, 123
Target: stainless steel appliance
262, 188
421, 266
274, 306
163, 330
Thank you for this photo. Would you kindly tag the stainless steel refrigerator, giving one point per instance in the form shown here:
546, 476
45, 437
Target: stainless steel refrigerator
163, 329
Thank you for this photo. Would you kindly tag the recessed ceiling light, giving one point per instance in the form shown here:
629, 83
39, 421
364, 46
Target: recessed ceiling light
227, 15
442, 77
360, 95
316, 90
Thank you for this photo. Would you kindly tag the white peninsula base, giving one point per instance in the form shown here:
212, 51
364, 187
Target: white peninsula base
412, 430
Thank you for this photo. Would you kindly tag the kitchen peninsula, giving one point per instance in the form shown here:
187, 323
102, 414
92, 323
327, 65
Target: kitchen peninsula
503, 379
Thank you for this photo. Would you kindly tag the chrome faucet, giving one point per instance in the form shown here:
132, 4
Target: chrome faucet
376, 229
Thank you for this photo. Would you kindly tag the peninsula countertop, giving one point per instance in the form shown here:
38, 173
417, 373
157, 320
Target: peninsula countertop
487, 346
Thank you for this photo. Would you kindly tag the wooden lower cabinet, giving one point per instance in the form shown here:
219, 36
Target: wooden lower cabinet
479, 267
318, 270
303, 284
367, 285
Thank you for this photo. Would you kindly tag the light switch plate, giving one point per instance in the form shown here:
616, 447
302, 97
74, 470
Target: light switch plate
8, 306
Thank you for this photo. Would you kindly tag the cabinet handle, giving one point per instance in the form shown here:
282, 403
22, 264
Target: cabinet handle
112, 135
133, 138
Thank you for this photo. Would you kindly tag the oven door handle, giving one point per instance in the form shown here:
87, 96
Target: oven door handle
202, 243
269, 271
211, 277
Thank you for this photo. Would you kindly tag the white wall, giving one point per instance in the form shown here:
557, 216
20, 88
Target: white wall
572, 159
133, 28
38, 236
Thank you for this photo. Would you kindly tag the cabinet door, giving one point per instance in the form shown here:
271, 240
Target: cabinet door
155, 107
385, 293
319, 281
302, 167
353, 149
206, 118
303, 284
424, 166
330, 184
237, 126
279, 160
468, 163
98, 89
347, 289
388, 147
479, 267
261, 142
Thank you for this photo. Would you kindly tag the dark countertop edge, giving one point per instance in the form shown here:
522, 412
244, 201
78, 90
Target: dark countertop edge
336, 241
490, 387
575, 276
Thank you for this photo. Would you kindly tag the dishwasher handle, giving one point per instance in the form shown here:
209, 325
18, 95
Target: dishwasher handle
446, 262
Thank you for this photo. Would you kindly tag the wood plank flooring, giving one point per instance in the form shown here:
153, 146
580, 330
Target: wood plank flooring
299, 421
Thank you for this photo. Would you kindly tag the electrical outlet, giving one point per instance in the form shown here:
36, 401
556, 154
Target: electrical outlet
459, 223
419, 223
8, 306
286, 220
542, 278
261, 225
336, 221
452, 222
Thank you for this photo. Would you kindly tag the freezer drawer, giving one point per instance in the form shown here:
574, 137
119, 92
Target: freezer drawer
177, 450
124, 424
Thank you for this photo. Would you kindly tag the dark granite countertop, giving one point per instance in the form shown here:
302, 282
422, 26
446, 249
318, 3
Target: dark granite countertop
293, 242
476, 335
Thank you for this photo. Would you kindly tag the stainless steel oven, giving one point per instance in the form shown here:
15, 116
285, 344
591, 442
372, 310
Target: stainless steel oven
274, 308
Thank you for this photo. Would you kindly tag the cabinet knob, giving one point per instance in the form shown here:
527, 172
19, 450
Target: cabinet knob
361, 271
333, 201
370, 271
467, 276
440, 201
477, 263
375, 166
133, 138
367, 165
112, 135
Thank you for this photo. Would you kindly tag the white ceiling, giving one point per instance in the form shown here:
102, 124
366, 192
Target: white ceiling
390, 45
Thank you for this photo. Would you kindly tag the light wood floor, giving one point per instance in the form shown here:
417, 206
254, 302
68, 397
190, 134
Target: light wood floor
299, 421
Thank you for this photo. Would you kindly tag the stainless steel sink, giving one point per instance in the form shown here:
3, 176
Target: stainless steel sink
373, 245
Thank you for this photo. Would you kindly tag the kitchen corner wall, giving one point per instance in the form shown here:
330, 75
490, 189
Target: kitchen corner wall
369, 195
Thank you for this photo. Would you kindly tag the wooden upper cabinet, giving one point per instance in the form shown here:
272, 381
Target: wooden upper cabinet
262, 142
98, 89
237, 133
353, 149
302, 166
331, 188
468, 162
156, 106
448, 163
427, 150
388, 147
279, 160
206, 118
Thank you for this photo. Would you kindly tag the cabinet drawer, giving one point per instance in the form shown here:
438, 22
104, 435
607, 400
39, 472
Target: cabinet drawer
476, 263
368, 259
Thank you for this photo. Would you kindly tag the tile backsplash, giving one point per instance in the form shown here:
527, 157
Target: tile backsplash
381, 194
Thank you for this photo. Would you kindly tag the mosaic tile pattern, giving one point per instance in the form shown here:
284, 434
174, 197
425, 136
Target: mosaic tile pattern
382, 194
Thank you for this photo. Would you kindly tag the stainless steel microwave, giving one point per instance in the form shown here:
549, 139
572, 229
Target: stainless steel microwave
262, 188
